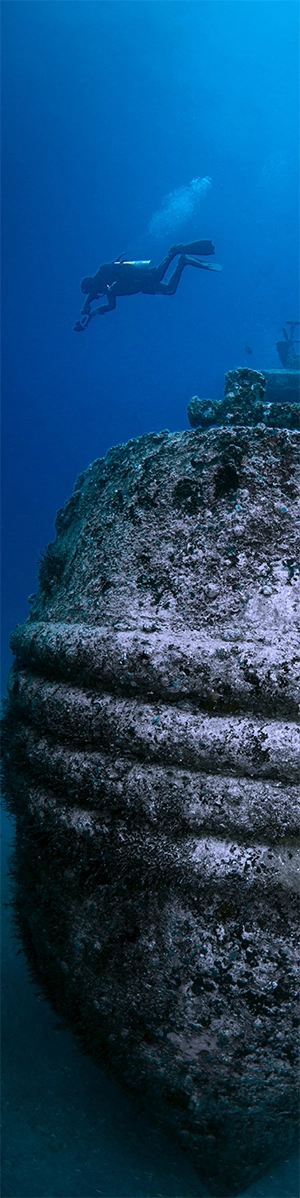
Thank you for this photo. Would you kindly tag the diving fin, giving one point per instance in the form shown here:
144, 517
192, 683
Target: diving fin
211, 265
198, 247
203, 265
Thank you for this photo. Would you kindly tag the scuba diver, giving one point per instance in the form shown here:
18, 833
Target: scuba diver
129, 278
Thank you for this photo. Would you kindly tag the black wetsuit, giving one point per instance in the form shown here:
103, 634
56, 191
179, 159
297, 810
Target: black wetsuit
129, 278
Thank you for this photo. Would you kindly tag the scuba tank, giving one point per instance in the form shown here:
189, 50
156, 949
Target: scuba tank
141, 265
138, 264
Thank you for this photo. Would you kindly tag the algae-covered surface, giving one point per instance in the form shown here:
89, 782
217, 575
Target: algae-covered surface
151, 759
69, 1129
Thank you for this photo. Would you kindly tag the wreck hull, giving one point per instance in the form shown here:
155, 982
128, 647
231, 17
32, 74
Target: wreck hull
152, 764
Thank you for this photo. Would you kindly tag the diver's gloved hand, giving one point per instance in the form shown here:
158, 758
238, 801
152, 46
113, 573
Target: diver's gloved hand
81, 324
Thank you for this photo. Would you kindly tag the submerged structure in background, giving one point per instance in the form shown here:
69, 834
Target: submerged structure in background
246, 402
253, 397
286, 349
283, 386
152, 765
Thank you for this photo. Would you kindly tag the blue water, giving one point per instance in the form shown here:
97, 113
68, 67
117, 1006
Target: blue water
126, 127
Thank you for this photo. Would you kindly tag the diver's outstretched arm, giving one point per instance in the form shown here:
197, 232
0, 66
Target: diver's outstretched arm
111, 303
87, 315
87, 303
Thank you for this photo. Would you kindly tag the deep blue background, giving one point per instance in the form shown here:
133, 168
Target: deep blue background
106, 108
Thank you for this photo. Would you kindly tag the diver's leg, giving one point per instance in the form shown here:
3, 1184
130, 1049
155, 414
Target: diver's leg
152, 279
194, 247
170, 287
160, 270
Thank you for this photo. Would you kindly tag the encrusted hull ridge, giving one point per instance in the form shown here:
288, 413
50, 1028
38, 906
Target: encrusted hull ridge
152, 763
